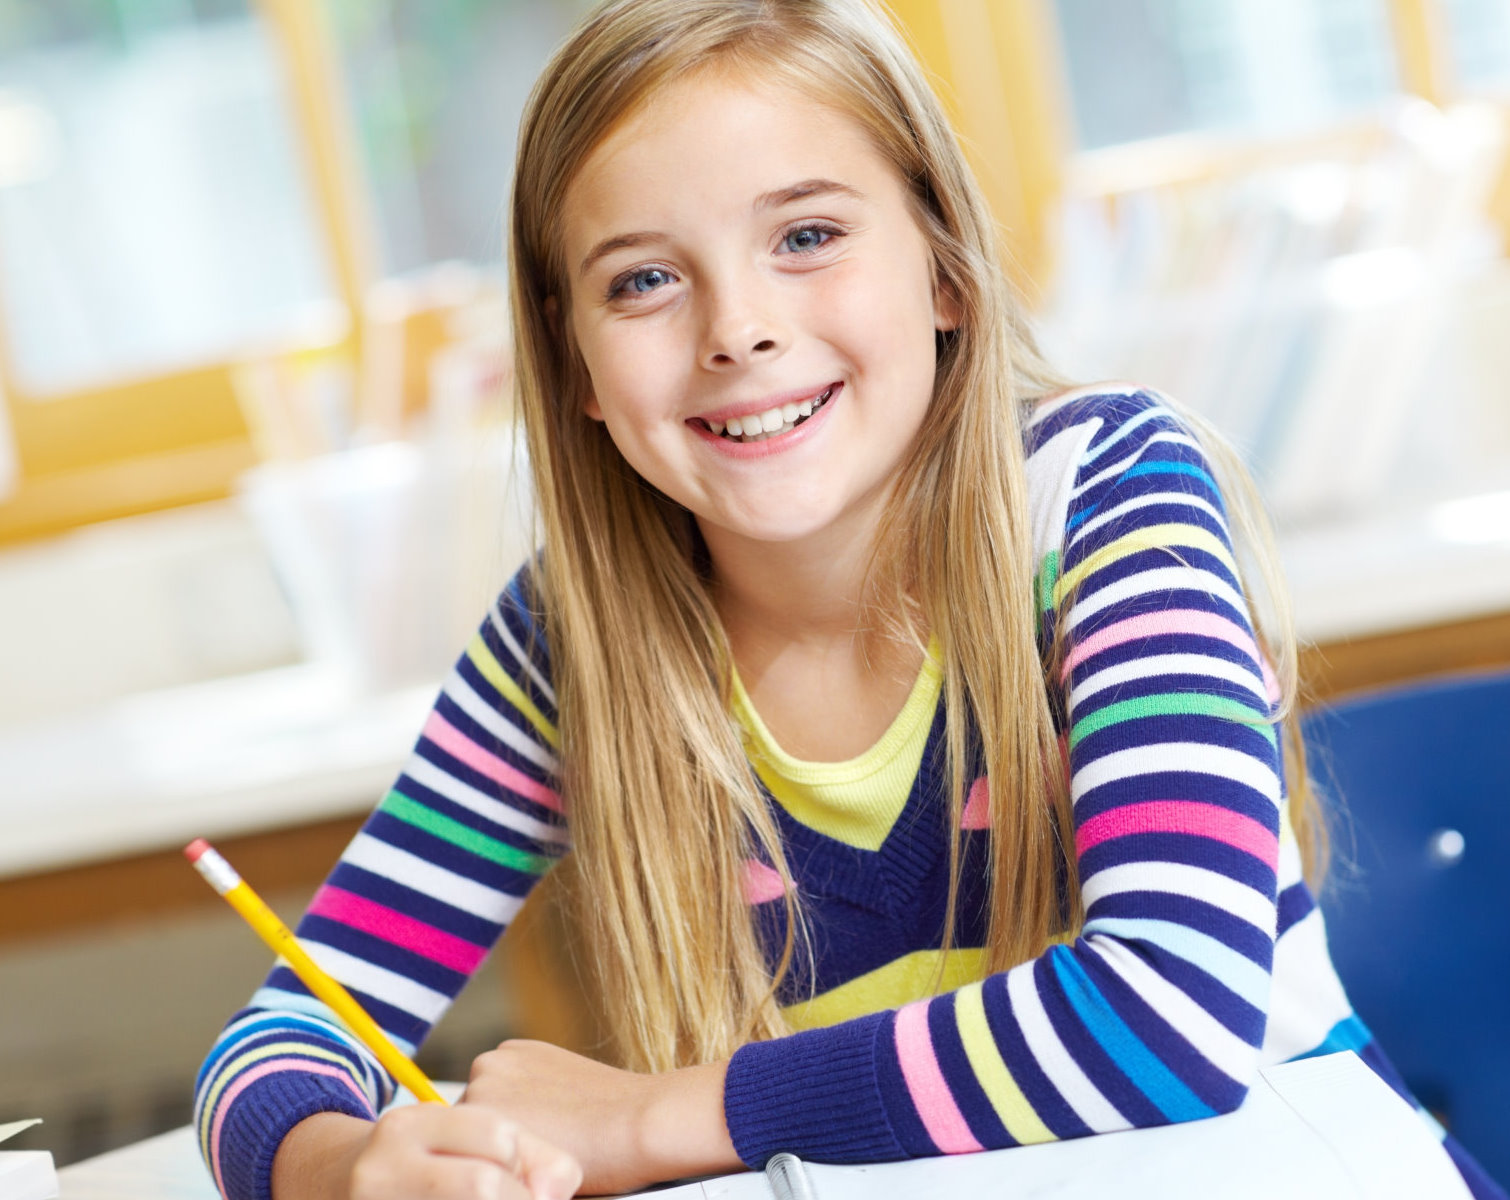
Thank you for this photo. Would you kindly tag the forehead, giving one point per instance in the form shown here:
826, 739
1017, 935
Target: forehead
709, 145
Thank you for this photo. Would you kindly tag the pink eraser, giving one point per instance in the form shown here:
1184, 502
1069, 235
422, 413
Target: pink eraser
196, 848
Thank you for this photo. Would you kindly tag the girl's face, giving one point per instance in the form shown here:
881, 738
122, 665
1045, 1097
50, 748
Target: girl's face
742, 257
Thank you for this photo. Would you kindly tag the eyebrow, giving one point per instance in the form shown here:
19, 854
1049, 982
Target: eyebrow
776, 198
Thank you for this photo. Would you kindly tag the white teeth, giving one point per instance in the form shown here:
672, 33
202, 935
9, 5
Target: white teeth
756, 427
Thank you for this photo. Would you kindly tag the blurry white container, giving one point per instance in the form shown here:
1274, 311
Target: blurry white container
390, 553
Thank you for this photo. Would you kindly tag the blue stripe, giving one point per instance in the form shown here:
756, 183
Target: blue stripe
1168, 468
1172, 1098
1348, 1034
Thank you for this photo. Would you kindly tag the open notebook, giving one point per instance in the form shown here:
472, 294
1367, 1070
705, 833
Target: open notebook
25, 1174
1324, 1128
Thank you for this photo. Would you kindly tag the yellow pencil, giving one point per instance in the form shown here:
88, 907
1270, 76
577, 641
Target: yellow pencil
221, 876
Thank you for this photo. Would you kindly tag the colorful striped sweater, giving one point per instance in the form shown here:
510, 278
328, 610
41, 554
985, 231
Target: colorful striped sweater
1203, 954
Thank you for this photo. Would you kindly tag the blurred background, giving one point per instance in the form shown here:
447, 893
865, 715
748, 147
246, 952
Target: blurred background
258, 472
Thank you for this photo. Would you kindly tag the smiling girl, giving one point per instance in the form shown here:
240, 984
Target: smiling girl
903, 708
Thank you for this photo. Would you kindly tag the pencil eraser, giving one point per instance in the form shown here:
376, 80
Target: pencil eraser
195, 849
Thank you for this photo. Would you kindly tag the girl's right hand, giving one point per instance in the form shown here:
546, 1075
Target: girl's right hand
421, 1152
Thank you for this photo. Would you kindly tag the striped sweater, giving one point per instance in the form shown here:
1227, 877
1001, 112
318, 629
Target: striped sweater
1203, 954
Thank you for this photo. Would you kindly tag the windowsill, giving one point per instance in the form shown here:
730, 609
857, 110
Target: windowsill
272, 749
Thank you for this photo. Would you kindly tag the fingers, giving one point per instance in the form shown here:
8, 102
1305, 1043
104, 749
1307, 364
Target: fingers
431, 1152
551, 1173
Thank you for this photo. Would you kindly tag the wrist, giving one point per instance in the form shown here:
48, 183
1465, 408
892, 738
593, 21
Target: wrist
314, 1160
681, 1129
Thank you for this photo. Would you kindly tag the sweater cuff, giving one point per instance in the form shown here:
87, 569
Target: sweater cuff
814, 1094
252, 1129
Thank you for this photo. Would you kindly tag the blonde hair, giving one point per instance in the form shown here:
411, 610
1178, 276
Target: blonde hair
664, 806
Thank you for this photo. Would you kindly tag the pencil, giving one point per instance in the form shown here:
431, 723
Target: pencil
221, 876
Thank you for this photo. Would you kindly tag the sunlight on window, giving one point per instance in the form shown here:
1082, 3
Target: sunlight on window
1145, 68
154, 212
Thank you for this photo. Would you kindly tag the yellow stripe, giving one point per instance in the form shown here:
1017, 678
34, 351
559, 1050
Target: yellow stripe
1011, 1106
1155, 537
482, 658
234, 1068
898, 982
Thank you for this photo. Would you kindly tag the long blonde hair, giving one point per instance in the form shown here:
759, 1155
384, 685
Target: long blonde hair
664, 807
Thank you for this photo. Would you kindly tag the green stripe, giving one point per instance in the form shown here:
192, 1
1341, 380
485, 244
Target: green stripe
1168, 704
411, 812
1048, 576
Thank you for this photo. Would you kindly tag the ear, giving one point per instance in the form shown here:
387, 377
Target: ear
946, 306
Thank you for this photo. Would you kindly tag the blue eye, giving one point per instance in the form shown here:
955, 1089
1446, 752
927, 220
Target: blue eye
646, 279
807, 238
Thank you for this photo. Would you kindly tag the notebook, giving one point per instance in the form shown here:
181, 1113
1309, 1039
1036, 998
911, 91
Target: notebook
25, 1174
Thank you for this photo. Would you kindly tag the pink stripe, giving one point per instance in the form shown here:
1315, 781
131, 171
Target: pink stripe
1271, 682
1188, 621
931, 1096
258, 1072
1181, 816
760, 883
358, 912
977, 814
462, 748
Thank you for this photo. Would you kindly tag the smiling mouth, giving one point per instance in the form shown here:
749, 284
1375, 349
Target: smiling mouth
757, 427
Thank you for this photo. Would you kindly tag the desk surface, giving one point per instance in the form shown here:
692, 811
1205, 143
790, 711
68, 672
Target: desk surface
1326, 1128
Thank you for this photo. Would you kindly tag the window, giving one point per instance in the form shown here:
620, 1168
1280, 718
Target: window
153, 209
1144, 68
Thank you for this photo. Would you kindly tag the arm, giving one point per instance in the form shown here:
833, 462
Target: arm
1156, 1012
409, 911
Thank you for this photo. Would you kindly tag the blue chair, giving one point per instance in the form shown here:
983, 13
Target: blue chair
1418, 901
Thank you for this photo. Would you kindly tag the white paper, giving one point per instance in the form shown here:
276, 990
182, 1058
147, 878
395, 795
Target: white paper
26, 1174
9, 1131
1318, 1129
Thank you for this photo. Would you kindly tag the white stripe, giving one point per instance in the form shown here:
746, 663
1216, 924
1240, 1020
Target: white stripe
1063, 1071
1169, 664
375, 855
1307, 999
422, 771
303, 1004
517, 651
459, 690
378, 982
1213, 1040
1176, 439
1189, 757
1128, 426
1148, 501
1232, 969
1182, 879
1158, 579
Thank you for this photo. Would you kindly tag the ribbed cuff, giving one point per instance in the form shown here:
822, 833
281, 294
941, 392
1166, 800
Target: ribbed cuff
814, 1094
262, 1116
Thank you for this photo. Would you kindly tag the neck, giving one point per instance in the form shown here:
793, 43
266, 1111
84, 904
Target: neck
813, 592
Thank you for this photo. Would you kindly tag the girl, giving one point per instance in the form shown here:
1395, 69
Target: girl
902, 709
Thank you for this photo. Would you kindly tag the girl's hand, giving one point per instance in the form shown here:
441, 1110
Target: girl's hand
421, 1152
627, 1130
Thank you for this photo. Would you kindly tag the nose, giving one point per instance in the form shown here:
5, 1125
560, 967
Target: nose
744, 324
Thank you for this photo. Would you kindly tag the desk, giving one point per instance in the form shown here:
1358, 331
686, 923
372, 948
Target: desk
1322, 1128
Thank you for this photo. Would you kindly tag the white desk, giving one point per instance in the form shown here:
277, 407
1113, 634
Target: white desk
1323, 1128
